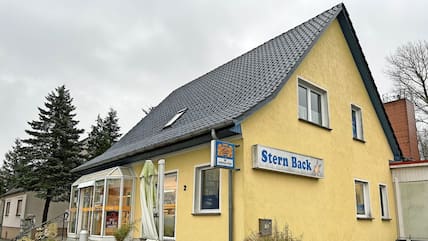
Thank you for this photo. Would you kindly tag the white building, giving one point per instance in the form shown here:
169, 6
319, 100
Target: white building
410, 176
21, 207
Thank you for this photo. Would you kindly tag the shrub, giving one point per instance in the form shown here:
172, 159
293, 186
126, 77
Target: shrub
284, 235
121, 233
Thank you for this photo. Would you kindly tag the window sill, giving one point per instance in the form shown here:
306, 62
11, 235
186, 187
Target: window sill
386, 219
360, 140
207, 214
168, 238
315, 124
369, 218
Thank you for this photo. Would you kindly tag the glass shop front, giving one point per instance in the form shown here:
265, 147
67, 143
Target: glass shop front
101, 202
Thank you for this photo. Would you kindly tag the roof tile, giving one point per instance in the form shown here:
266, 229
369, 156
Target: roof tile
224, 95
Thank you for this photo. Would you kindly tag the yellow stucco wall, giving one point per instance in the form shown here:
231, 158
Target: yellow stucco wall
188, 225
321, 209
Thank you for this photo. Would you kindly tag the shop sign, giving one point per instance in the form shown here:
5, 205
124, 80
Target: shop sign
222, 154
272, 159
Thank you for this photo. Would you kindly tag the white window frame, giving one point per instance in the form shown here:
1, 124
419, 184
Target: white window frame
359, 122
384, 201
367, 205
325, 122
197, 191
175, 118
175, 171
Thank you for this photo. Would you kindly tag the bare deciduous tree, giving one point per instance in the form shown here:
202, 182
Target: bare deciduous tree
408, 68
423, 143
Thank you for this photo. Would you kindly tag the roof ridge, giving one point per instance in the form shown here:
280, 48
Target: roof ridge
225, 95
340, 5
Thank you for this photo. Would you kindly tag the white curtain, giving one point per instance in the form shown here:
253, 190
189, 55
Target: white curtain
148, 179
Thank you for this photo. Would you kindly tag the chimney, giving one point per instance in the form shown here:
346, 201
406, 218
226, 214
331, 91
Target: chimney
401, 114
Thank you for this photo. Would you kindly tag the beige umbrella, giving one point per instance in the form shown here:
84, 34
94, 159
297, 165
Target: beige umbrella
148, 180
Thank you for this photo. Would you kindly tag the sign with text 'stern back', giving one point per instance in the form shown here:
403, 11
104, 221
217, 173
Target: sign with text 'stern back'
222, 154
277, 160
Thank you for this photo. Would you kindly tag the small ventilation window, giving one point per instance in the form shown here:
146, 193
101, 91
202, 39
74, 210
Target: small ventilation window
175, 117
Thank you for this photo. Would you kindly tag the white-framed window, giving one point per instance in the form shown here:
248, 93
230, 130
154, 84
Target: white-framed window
19, 207
362, 196
72, 223
207, 190
313, 105
170, 204
357, 122
384, 207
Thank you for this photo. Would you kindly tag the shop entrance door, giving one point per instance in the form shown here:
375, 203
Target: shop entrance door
85, 208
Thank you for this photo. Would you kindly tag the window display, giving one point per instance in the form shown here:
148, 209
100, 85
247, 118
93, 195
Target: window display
101, 202
112, 206
73, 209
86, 207
98, 207
126, 201
170, 194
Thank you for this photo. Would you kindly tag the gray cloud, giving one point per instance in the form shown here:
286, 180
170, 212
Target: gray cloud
130, 55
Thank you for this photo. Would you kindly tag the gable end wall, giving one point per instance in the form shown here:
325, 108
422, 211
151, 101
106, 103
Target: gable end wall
331, 200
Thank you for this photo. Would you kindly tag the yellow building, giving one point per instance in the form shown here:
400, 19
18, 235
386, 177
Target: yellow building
313, 148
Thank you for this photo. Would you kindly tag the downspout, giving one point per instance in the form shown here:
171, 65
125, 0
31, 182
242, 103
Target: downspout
230, 193
213, 135
230, 205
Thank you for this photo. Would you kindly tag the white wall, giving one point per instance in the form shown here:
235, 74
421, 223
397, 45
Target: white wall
411, 173
31, 205
412, 199
14, 219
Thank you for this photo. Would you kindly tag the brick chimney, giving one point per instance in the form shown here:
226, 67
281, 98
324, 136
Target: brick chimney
401, 114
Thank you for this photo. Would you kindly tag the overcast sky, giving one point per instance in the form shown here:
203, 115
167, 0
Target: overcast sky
129, 55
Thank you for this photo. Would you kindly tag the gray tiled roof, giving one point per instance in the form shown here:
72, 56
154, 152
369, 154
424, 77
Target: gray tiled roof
225, 95
12, 191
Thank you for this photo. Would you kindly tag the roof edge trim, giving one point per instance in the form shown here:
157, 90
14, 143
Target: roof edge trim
229, 127
365, 73
292, 70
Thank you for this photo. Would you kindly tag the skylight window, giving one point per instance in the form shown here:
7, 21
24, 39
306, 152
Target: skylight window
175, 117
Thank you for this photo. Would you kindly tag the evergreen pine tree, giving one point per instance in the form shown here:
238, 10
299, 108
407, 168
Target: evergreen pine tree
2, 185
10, 163
111, 127
15, 172
103, 134
96, 141
54, 148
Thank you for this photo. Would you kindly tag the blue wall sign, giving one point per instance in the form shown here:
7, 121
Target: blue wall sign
222, 154
272, 159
